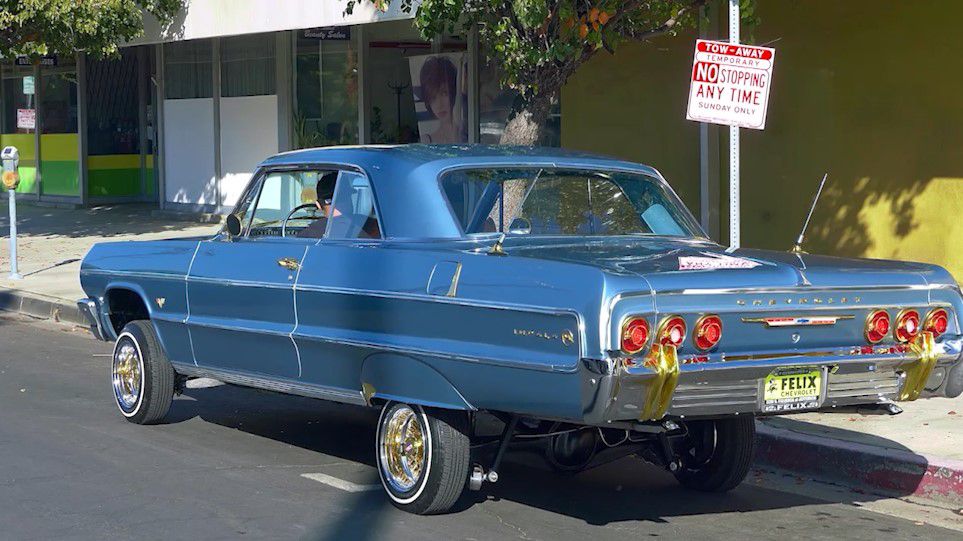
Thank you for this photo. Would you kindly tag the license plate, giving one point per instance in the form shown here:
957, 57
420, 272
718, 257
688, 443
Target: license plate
792, 389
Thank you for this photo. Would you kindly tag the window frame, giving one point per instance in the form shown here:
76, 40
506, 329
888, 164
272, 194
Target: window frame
262, 172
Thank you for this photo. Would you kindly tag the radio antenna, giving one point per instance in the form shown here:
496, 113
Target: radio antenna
797, 248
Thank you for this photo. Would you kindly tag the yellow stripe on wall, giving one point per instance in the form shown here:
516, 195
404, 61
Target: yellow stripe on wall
23, 142
59, 147
113, 161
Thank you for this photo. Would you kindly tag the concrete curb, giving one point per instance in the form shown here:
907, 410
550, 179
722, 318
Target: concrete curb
41, 306
862, 467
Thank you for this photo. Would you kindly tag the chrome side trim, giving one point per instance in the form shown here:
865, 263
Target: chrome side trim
132, 274
262, 382
187, 301
294, 296
225, 327
382, 346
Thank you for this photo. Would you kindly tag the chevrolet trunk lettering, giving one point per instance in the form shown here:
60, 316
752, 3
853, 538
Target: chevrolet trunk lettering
791, 321
801, 300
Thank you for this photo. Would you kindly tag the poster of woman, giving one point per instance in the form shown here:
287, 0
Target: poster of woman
441, 96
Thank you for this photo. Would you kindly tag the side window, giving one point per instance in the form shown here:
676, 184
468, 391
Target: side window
281, 193
352, 213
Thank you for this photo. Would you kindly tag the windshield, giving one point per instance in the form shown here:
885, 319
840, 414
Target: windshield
550, 202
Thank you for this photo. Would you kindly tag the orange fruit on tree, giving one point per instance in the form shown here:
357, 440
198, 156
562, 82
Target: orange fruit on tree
604, 17
593, 15
583, 30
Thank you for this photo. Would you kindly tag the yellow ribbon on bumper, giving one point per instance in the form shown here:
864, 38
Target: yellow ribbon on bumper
664, 361
919, 371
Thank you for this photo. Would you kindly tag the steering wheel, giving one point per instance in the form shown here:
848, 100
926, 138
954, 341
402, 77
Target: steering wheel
284, 224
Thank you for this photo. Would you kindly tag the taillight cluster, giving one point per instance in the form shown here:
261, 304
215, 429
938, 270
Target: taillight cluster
907, 326
670, 332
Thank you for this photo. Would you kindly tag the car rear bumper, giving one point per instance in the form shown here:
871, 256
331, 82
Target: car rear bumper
737, 387
91, 311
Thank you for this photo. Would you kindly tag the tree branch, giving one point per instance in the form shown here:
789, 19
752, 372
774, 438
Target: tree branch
668, 25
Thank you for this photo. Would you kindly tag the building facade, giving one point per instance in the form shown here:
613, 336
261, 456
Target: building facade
864, 92
186, 112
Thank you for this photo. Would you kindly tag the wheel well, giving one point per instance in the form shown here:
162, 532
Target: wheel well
124, 306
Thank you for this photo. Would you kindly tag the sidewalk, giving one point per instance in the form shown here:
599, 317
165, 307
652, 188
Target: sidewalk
52, 241
917, 453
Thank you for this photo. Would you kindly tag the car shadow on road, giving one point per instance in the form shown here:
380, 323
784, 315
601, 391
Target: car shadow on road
625, 490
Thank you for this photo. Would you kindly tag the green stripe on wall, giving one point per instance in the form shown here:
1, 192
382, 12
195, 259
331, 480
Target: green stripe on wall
113, 182
60, 177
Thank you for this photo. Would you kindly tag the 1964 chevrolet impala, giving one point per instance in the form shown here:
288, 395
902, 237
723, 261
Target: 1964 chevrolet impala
565, 296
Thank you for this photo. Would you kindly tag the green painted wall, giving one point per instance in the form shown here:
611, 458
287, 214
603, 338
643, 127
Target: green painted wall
866, 91
28, 159
60, 164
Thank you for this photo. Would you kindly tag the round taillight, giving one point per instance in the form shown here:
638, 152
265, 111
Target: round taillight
672, 331
635, 334
707, 332
907, 326
877, 326
937, 321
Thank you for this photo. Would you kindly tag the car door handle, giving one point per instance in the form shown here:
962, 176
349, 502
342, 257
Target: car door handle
289, 263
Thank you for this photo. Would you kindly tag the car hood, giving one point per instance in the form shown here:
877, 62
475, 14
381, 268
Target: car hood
674, 264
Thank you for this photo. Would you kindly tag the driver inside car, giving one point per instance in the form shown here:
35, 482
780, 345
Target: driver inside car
325, 193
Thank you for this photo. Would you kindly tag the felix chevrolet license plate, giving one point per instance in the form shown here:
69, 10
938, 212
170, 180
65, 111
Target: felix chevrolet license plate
792, 389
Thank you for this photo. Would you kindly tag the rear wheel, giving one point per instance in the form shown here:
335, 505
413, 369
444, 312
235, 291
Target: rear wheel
140, 374
423, 457
720, 453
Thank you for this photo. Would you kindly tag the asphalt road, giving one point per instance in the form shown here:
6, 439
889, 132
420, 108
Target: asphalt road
230, 463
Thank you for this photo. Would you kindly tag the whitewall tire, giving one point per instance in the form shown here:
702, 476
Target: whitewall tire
141, 377
423, 456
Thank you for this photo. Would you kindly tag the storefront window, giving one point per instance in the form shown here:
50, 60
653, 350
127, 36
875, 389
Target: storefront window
18, 118
112, 121
59, 141
187, 70
247, 66
58, 101
326, 88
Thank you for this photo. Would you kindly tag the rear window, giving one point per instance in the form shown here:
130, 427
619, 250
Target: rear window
554, 202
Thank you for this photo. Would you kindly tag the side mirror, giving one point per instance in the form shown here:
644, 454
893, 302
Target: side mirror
232, 225
520, 226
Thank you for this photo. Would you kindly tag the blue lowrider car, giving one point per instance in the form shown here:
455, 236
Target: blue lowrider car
563, 296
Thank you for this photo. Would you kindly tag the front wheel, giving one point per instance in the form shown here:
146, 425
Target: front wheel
140, 374
719, 455
423, 457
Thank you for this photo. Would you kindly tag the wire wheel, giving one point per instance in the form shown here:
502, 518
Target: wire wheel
402, 448
127, 375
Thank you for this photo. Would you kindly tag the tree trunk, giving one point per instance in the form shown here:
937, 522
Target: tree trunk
528, 125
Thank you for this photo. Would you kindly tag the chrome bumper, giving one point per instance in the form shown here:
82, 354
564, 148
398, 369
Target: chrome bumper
735, 387
91, 312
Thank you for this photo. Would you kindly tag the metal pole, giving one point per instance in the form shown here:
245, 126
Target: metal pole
733, 143
14, 274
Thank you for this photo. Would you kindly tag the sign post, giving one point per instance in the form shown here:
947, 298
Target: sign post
734, 203
730, 86
10, 160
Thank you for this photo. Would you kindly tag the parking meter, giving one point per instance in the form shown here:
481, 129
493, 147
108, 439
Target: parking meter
10, 162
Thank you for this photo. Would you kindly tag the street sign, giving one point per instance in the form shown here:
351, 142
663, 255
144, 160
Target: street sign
28, 85
730, 84
27, 119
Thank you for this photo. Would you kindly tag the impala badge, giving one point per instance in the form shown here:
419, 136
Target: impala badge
160, 301
795, 321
